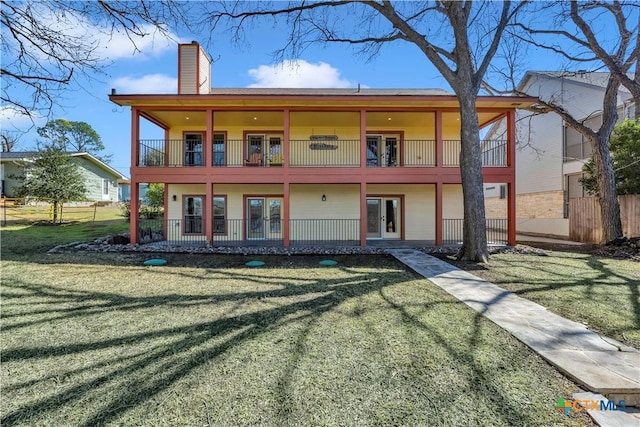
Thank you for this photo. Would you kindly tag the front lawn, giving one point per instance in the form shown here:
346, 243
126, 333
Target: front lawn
603, 293
95, 339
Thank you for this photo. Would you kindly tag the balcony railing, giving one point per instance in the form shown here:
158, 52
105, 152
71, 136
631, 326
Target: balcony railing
302, 232
251, 232
494, 153
452, 231
309, 153
339, 153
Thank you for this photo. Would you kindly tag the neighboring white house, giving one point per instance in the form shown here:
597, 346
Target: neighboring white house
101, 180
549, 154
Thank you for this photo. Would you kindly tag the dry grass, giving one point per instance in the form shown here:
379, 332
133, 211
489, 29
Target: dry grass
98, 339
603, 293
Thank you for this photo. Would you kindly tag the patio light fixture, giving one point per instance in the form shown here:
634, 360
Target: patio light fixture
324, 198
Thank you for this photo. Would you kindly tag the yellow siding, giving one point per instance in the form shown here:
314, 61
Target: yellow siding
419, 205
452, 201
174, 209
342, 202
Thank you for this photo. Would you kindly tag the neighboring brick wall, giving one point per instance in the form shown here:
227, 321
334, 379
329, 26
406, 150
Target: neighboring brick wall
495, 207
547, 205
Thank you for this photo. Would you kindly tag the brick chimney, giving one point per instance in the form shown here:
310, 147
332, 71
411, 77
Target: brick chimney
194, 69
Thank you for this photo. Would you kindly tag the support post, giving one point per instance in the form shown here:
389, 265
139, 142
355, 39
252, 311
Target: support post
207, 212
439, 236
363, 214
286, 236
134, 207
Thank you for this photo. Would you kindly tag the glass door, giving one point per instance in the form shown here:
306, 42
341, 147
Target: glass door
193, 149
391, 218
374, 214
255, 218
382, 150
383, 218
264, 216
255, 150
193, 214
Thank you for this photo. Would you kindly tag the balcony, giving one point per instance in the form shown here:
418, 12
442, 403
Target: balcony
313, 153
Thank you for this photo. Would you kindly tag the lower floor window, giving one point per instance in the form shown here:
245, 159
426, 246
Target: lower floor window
193, 213
220, 215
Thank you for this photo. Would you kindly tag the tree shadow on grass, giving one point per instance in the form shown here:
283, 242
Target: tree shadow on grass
591, 280
141, 365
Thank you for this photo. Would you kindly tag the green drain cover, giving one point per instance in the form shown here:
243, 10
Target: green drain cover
328, 263
254, 264
155, 261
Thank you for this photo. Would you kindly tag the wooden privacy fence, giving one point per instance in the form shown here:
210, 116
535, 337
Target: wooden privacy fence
585, 224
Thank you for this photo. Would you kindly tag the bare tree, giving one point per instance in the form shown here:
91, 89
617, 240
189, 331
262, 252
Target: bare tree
460, 38
48, 44
618, 55
9, 140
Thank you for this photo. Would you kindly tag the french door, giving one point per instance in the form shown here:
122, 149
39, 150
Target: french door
264, 217
265, 148
382, 150
383, 218
193, 154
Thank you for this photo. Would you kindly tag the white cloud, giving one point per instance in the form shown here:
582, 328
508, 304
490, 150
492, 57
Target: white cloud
298, 74
12, 119
119, 45
151, 83
104, 43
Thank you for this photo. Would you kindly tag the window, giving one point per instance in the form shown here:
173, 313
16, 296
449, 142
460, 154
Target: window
219, 149
193, 149
220, 215
575, 146
105, 187
193, 214
382, 150
275, 206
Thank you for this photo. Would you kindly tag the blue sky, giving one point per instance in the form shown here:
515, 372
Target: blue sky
154, 70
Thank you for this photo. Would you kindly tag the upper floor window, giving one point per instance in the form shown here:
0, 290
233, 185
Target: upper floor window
193, 155
576, 146
382, 150
219, 149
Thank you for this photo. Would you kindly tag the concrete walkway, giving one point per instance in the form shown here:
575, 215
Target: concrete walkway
599, 364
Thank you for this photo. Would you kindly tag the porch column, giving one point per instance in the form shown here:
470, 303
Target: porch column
511, 213
285, 215
439, 238
134, 206
208, 137
511, 185
135, 137
285, 143
438, 147
363, 139
363, 214
511, 141
208, 214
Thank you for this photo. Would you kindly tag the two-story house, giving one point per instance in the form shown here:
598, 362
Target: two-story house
294, 166
549, 153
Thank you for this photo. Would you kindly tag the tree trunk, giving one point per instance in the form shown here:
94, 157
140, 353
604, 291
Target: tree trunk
607, 193
474, 247
54, 207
